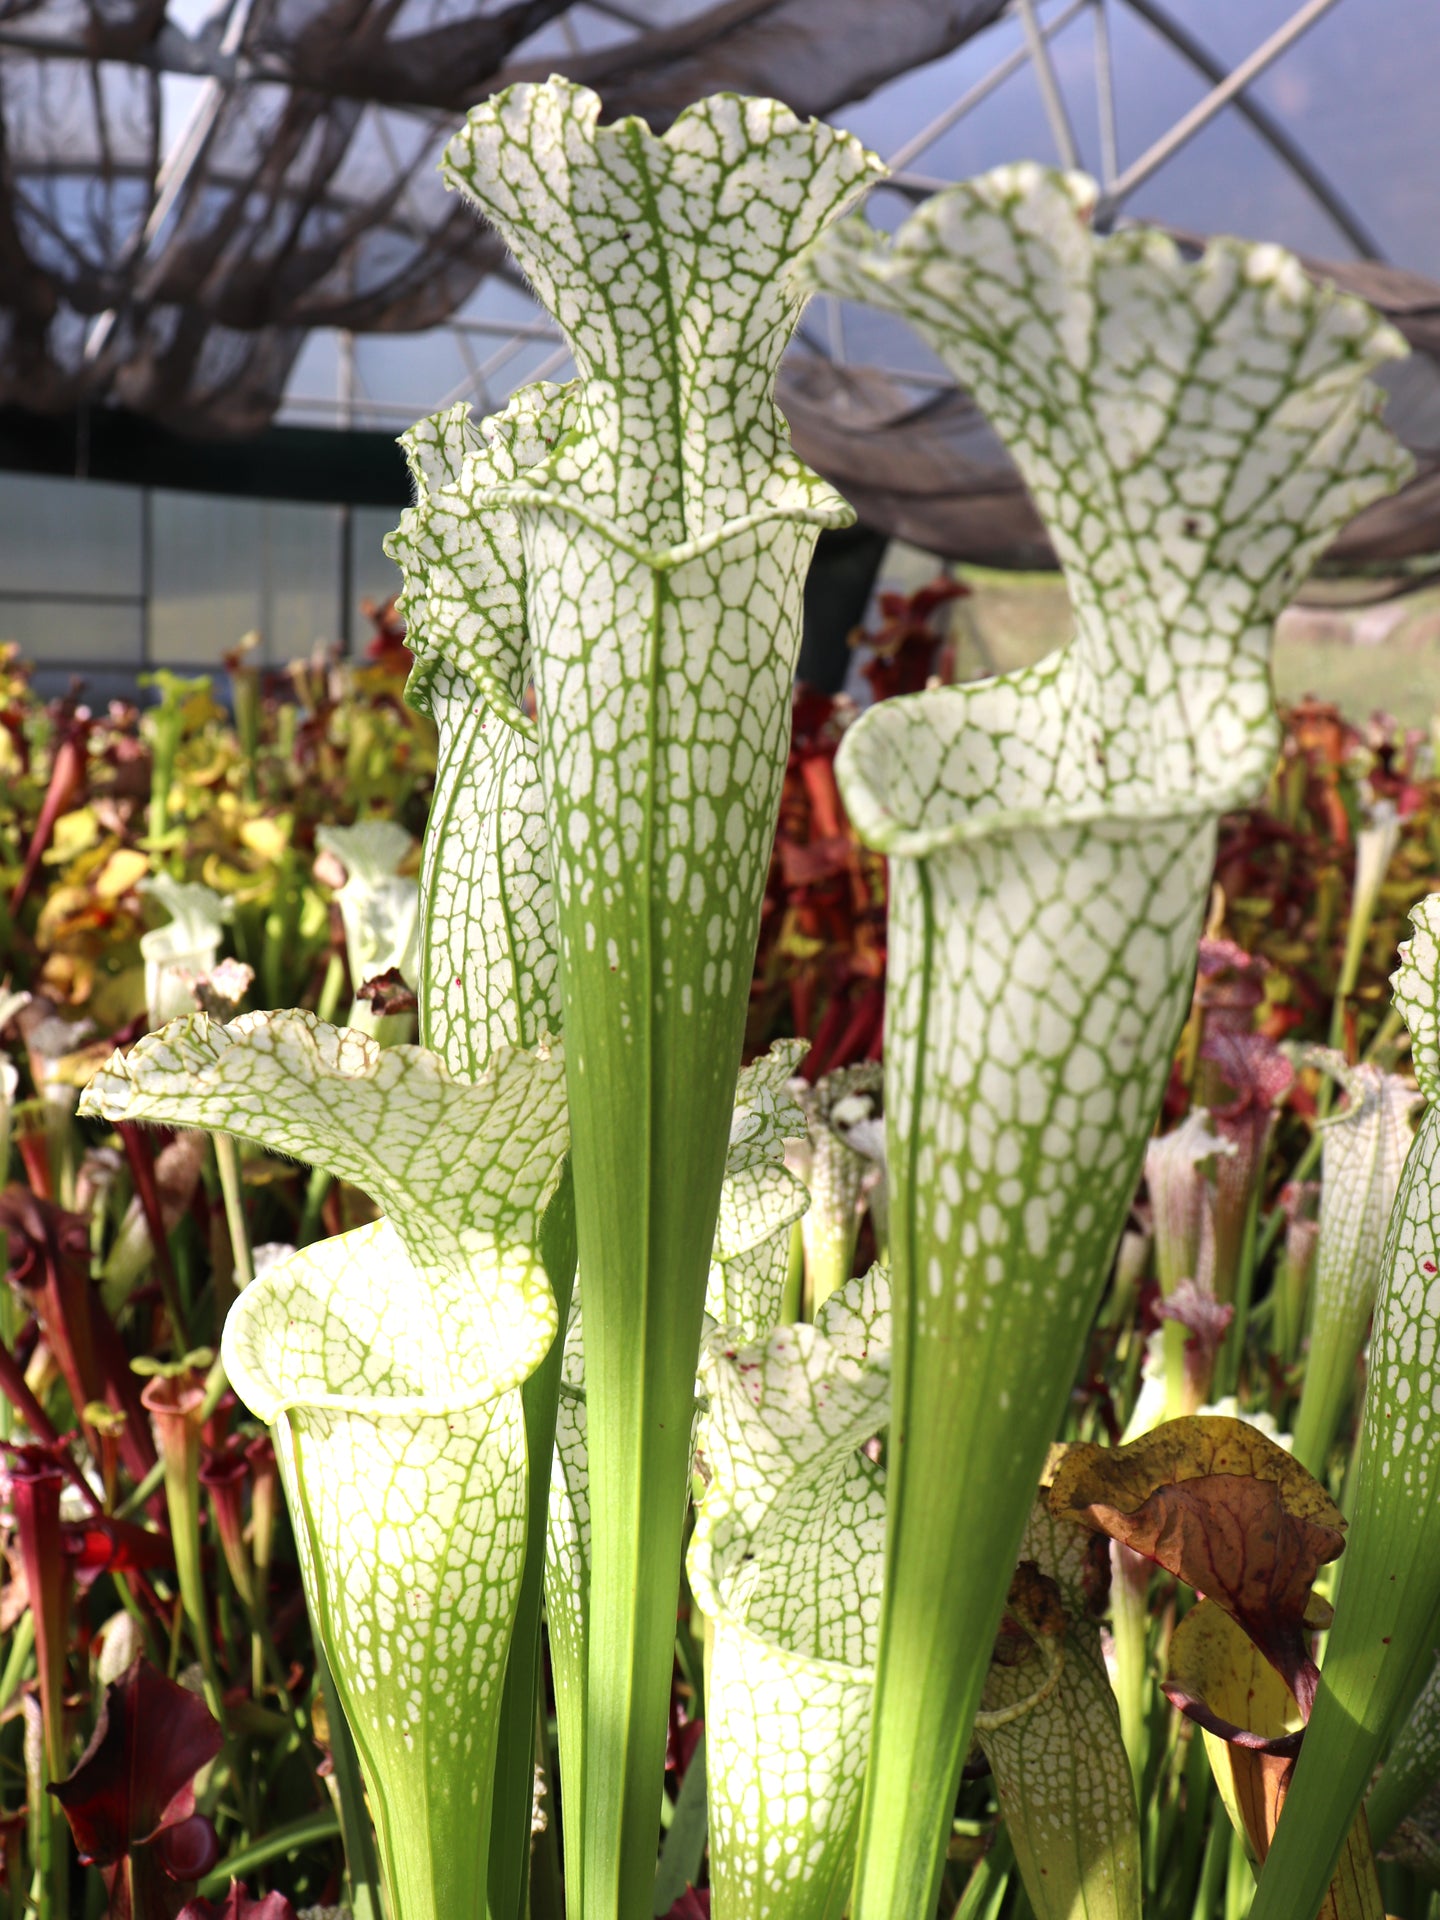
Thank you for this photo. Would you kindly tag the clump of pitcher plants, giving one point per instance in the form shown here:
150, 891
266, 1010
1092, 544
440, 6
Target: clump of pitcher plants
753, 1438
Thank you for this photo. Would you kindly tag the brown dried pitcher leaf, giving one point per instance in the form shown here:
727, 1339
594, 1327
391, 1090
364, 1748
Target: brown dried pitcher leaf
1218, 1504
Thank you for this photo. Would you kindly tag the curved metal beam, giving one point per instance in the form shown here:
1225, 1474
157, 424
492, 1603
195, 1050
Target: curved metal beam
1260, 118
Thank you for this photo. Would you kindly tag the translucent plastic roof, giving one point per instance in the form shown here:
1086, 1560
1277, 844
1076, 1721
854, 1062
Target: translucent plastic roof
1332, 149
237, 208
220, 212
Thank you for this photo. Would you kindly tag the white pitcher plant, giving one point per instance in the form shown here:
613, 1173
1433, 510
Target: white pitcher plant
1193, 434
1390, 1596
602, 591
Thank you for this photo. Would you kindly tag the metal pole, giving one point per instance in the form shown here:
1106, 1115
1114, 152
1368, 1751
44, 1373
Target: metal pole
1200, 115
179, 164
1270, 130
345, 376
982, 89
347, 558
1105, 96
1061, 131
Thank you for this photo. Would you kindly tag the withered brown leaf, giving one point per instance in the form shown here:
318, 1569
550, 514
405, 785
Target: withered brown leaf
1216, 1502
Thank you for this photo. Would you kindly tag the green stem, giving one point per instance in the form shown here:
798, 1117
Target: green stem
1214, 1869
316, 1189
1201, 1810
1130, 1622
1239, 1879
832, 1254
1275, 1220
22, 1645
245, 693
137, 1497
362, 1866
1232, 1353
178, 1432
331, 988
1286, 1302
9, 1327
160, 794
125, 1594
320, 1181
651, 1089
227, 1159
1173, 1337
513, 1800
50, 1886
793, 1296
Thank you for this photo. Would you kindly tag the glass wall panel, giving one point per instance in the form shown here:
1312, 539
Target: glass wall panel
301, 579
108, 578
206, 581
69, 536
74, 634
224, 567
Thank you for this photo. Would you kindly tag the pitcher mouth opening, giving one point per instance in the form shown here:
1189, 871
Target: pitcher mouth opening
922, 774
409, 1342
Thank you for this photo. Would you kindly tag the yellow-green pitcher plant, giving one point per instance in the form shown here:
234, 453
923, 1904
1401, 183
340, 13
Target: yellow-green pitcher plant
786, 1560
1365, 1148
1192, 432
441, 1139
